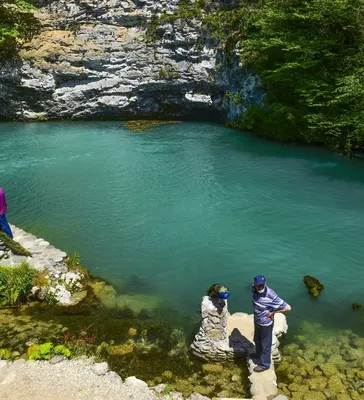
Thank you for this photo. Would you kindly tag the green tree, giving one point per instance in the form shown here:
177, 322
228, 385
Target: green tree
17, 23
309, 56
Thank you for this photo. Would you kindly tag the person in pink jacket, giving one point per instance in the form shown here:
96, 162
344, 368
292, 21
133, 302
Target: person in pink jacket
4, 225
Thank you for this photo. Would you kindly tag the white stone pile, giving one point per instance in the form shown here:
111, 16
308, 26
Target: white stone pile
223, 337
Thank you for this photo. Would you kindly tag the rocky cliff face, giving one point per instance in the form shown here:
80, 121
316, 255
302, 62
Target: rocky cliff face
94, 58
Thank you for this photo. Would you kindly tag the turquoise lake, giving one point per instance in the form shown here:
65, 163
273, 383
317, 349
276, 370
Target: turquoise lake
188, 205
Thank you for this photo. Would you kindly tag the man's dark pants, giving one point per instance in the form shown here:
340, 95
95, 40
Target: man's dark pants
263, 343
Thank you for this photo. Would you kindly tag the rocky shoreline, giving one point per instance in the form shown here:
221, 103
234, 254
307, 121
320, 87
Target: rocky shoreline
320, 364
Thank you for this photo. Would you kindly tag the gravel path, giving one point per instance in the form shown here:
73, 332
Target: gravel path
69, 379
79, 379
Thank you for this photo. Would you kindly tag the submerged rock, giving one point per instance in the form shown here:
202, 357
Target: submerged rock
121, 349
356, 306
138, 302
314, 285
325, 365
105, 293
146, 125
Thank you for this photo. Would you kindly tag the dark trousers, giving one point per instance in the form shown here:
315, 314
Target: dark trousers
4, 226
263, 343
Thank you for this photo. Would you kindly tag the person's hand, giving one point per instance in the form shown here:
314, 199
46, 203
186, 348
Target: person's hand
271, 316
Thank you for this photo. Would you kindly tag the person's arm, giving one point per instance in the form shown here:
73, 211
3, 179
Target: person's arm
279, 305
283, 310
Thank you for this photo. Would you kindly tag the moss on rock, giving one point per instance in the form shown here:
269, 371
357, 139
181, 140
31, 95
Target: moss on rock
314, 285
146, 125
14, 246
213, 368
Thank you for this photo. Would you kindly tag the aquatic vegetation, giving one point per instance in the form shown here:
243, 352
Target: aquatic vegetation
15, 284
47, 350
14, 246
146, 125
314, 285
356, 306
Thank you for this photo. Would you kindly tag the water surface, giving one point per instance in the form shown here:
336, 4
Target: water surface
188, 205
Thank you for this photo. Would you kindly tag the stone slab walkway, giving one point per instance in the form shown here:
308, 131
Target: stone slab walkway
263, 384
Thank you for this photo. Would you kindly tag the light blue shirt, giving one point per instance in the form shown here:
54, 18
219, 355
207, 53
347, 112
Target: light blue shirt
264, 304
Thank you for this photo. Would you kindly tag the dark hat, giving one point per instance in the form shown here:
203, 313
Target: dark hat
259, 280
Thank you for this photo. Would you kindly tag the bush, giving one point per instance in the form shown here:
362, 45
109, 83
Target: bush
5, 354
309, 57
15, 284
17, 23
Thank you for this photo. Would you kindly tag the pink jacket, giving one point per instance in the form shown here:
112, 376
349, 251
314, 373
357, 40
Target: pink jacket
3, 206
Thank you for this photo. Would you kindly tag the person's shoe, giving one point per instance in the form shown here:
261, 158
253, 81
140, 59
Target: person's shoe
260, 368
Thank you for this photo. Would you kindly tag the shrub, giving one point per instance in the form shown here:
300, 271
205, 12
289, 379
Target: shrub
74, 264
15, 284
5, 354
46, 351
17, 23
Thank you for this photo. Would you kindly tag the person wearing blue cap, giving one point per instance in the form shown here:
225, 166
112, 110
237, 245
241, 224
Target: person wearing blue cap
266, 303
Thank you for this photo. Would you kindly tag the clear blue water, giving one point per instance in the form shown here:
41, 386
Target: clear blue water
192, 204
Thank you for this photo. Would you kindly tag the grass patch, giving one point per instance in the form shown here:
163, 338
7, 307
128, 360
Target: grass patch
74, 264
14, 246
16, 284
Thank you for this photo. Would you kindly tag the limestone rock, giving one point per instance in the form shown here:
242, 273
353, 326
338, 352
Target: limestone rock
135, 383
92, 60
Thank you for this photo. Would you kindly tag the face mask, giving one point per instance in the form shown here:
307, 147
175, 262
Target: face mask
261, 291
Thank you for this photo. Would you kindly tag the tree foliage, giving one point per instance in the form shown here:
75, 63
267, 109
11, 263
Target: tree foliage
309, 56
17, 23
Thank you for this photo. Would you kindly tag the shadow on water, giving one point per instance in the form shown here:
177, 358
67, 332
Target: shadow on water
319, 160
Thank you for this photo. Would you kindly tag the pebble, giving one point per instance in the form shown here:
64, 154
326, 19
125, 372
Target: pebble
56, 360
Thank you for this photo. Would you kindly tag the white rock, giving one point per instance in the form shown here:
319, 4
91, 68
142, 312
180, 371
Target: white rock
197, 396
100, 368
138, 384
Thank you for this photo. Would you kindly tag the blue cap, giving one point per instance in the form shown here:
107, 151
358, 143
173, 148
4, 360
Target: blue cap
259, 280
